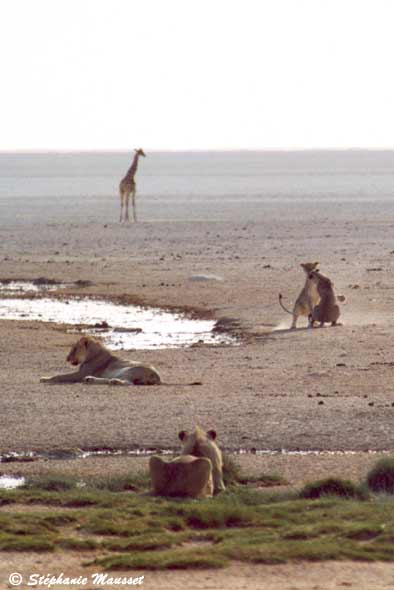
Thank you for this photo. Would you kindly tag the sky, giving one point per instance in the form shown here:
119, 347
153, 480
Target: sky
196, 74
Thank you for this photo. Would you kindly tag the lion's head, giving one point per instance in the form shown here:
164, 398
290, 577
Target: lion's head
309, 267
85, 348
202, 444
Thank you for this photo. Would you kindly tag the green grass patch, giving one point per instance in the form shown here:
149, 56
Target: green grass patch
145, 542
32, 523
141, 531
233, 475
205, 516
51, 483
73, 544
165, 560
26, 543
137, 482
264, 480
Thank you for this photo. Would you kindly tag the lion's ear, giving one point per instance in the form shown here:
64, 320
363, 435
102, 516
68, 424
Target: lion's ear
182, 435
85, 341
212, 434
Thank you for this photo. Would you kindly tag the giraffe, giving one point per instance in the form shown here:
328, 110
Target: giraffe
127, 187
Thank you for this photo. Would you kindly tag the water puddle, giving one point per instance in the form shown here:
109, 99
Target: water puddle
72, 454
307, 453
40, 285
120, 326
9, 482
27, 286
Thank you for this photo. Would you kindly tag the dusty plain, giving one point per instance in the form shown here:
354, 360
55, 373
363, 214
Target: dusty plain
324, 389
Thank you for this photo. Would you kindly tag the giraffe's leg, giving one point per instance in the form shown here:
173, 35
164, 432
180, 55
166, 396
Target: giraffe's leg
134, 208
127, 206
121, 206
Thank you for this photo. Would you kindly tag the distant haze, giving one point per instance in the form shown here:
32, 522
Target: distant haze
212, 74
211, 186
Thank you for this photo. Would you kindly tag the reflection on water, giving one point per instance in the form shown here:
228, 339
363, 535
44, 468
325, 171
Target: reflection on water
28, 286
9, 482
120, 326
71, 454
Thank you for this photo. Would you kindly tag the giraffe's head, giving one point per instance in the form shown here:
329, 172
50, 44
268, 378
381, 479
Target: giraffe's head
140, 152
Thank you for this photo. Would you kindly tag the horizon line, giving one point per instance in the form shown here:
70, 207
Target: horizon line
192, 150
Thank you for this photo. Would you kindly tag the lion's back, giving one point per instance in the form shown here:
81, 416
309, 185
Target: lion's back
183, 476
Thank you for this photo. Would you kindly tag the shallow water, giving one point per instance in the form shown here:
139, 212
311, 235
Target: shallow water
27, 287
130, 326
67, 455
40, 285
9, 482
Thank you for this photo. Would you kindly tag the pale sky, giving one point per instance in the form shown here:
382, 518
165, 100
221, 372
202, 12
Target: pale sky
196, 74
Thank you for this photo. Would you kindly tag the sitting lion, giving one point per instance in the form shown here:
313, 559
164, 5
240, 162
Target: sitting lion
202, 444
184, 476
309, 296
327, 309
197, 473
99, 365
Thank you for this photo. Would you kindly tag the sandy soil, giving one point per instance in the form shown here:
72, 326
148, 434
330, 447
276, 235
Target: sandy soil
262, 394
324, 576
328, 389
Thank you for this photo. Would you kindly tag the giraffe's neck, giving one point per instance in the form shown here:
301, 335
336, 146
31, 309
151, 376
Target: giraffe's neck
133, 168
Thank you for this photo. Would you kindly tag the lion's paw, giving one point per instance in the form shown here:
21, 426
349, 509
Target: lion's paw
88, 379
45, 379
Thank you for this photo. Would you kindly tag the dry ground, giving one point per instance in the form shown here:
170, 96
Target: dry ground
328, 389
317, 576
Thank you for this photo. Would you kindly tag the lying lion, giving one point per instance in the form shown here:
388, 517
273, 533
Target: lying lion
197, 473
309, 296
98, 365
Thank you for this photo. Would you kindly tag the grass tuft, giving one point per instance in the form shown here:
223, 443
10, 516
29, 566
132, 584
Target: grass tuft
231, 471
380, 478
331, 486
51, 483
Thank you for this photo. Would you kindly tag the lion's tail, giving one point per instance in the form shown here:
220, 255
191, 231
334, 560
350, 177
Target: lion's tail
282, 306
182, 384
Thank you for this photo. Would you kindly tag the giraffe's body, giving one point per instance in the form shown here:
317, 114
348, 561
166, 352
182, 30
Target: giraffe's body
127, 187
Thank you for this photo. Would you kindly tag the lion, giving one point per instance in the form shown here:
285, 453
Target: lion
327, 309
98, 365
184, 476
309, 296
202, 444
